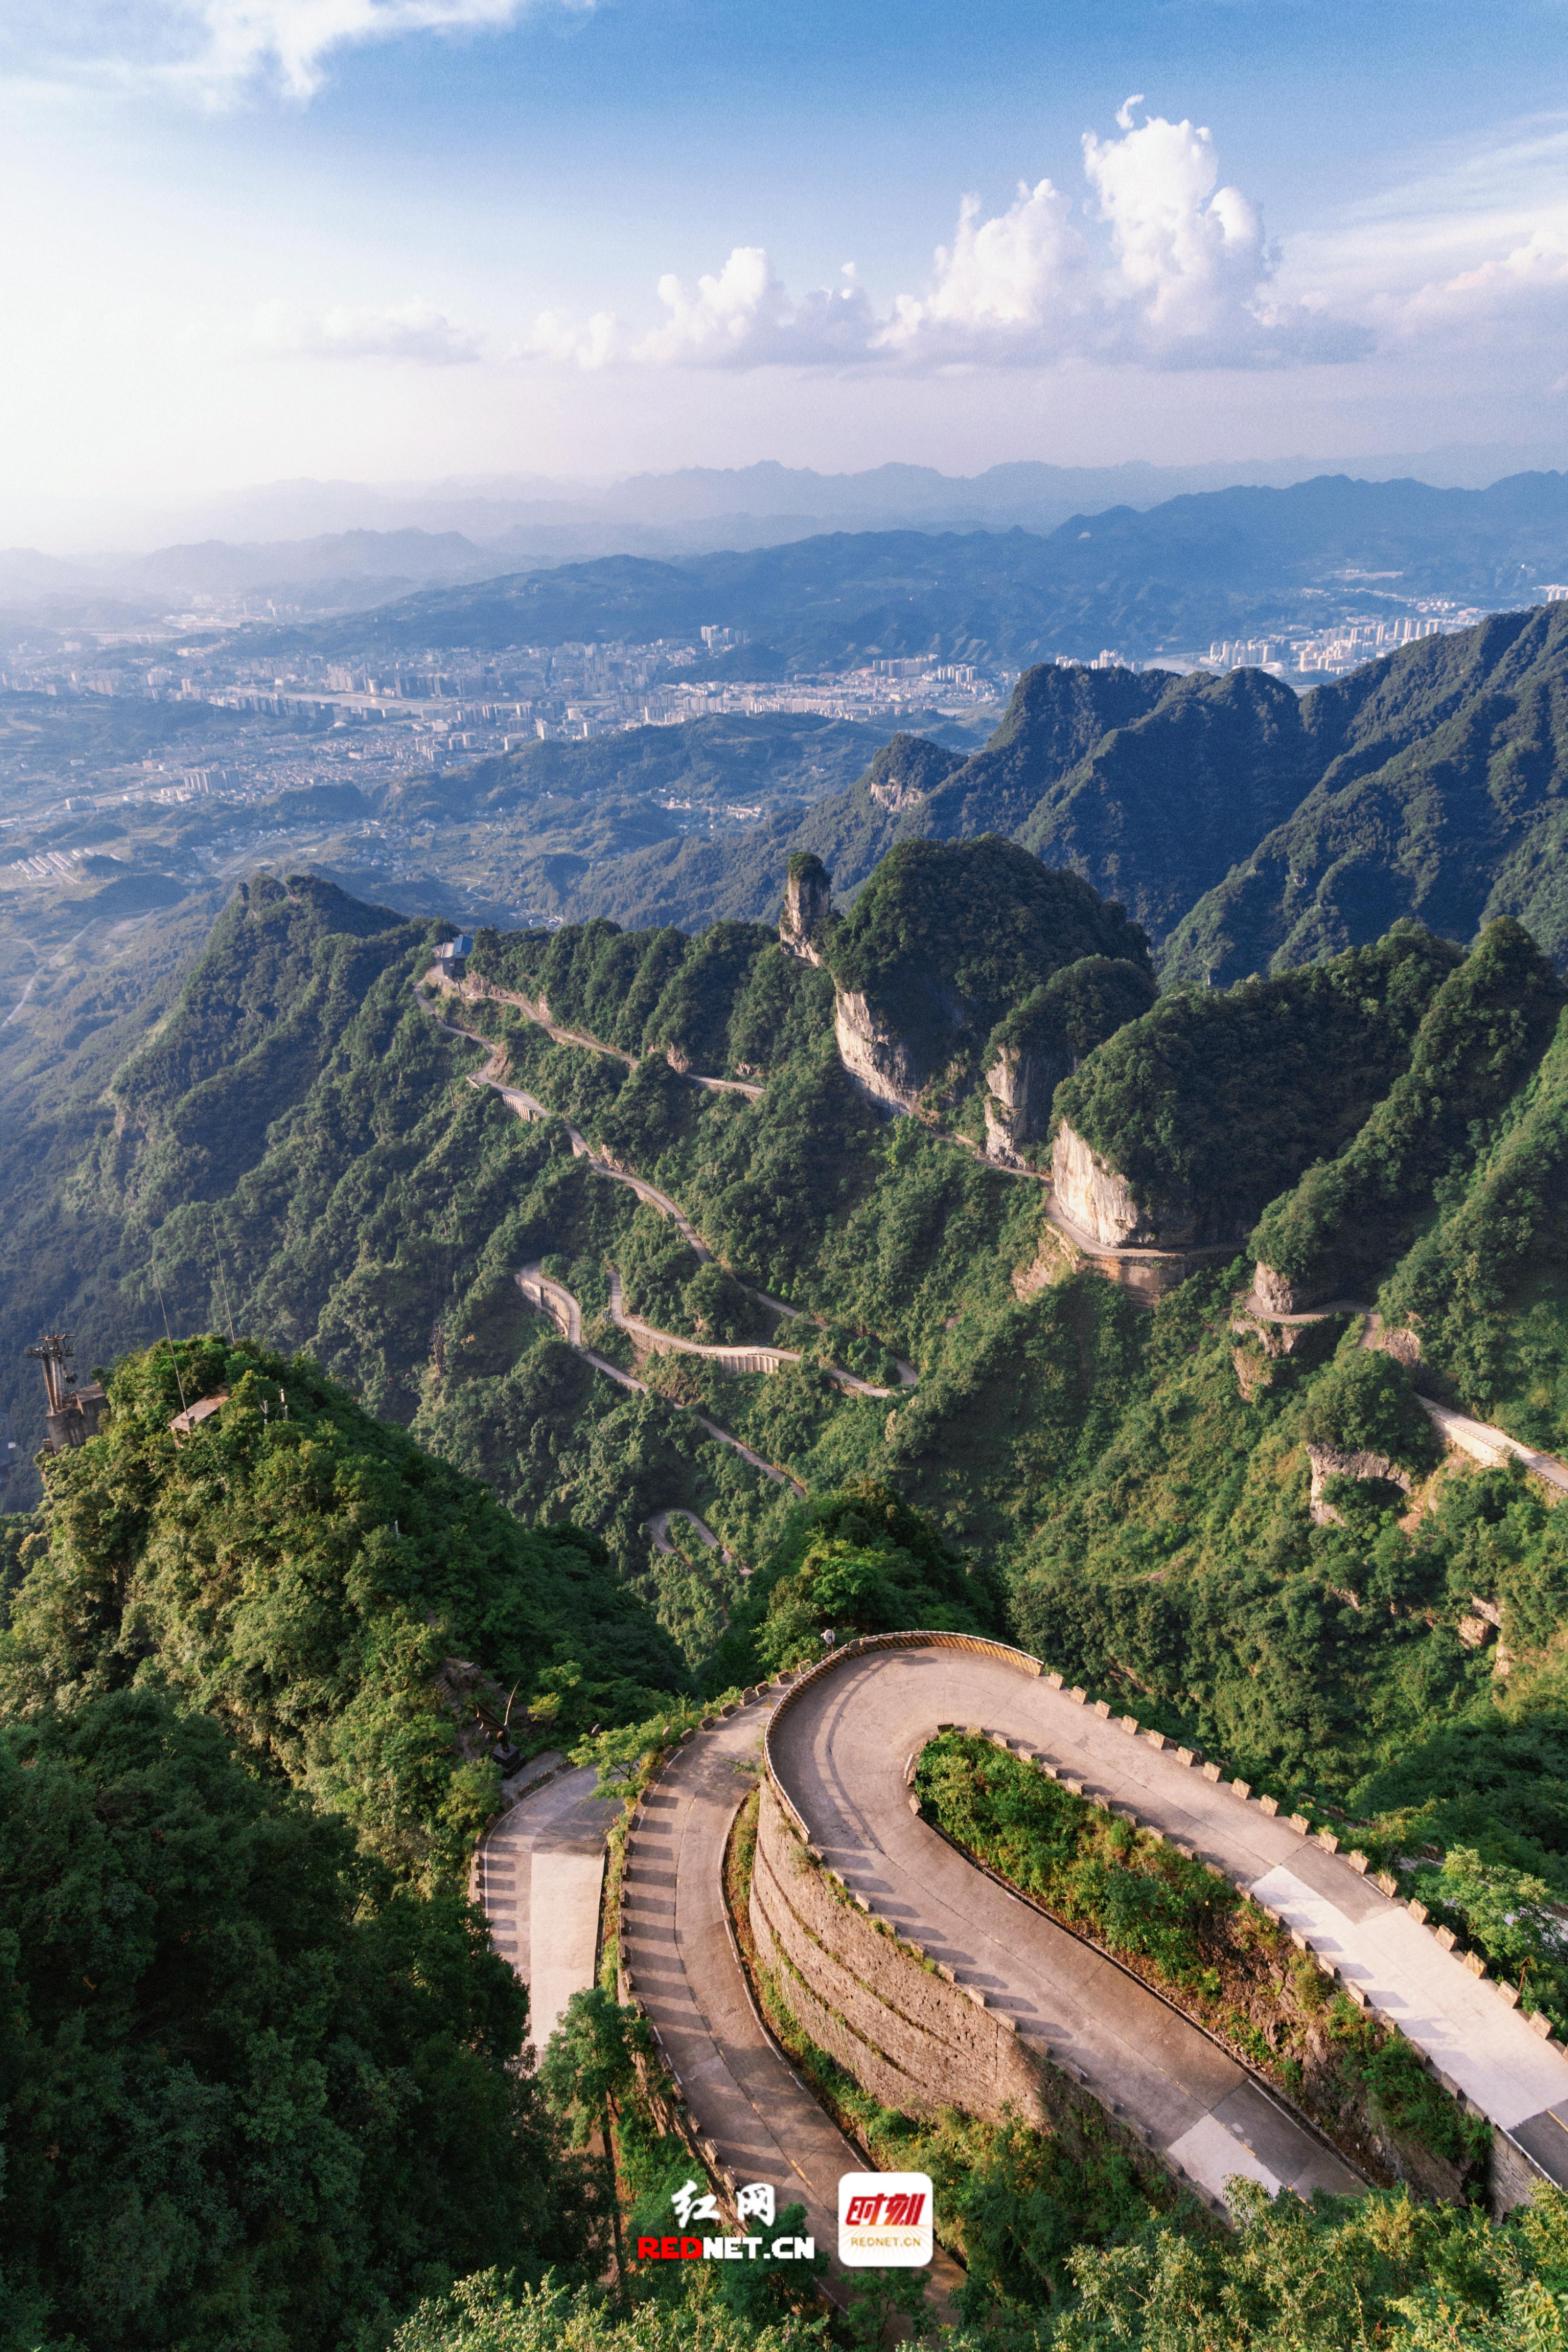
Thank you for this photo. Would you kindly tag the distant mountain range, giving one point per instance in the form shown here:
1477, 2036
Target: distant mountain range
344, 545
1236, 561
1246, 828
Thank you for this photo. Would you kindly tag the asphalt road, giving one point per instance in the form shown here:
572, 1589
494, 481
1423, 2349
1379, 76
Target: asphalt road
762, 2121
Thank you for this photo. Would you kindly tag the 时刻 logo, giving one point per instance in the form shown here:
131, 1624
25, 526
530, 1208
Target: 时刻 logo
884, 2219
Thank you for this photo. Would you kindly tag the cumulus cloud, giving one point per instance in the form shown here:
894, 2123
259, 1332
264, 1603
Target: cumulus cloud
1018, 287
740, 316
1179, 276
212, 50
1191, 280
410, 331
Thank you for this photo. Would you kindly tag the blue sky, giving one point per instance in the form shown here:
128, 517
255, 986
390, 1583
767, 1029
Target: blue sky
410, 239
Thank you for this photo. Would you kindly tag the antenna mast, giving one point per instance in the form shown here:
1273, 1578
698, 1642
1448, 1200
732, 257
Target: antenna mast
74, 1414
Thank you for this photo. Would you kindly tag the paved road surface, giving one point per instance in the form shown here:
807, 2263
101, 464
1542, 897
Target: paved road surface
659, 1529
1486, 1444
540, 1872
739, 1356
855, 1725
477, 986
743, 2096
840, 1752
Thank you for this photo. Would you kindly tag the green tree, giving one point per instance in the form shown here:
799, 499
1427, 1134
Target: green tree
588, 2072
480, 2315
254, 2094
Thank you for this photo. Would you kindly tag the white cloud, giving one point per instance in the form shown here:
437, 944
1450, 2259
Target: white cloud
410, 331
1180, 276
1020, 285
214, 50
740, 317
1473, 256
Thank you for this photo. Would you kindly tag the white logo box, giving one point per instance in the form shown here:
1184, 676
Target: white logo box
884, 2219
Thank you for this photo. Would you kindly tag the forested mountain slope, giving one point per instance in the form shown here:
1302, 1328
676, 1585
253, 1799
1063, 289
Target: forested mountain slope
1244, 829
420, 1494
1446, 800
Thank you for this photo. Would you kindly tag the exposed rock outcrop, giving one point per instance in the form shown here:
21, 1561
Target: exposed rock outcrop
876, 1058
807, 907
1281, 1295
1019, 1085
1098, 1199
1327, 1464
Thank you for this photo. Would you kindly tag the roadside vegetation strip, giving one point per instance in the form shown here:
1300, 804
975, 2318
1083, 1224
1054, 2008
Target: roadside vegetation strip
1003, 1652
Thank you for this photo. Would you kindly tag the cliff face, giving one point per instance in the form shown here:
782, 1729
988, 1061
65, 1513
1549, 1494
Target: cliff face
1281, 1295
877, 1061
1327, 1462
1096, 1197
1019, 1086
808, 903
1090, 1194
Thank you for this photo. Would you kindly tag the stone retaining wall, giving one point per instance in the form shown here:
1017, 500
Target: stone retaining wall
909, 2035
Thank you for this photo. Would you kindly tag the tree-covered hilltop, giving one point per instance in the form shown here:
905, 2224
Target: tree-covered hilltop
1214, 1101
265, 2074
1480, 1038
949, 938
350, 1611
724, 999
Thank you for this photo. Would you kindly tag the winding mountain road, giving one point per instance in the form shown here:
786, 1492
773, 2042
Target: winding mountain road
565, 1312
658, 1533
836, 1755
836, 1746
1481, 1440
474, 986
735, 1357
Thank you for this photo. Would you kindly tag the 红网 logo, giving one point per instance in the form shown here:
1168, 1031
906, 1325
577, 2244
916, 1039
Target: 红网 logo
755, 2202
884, 2219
